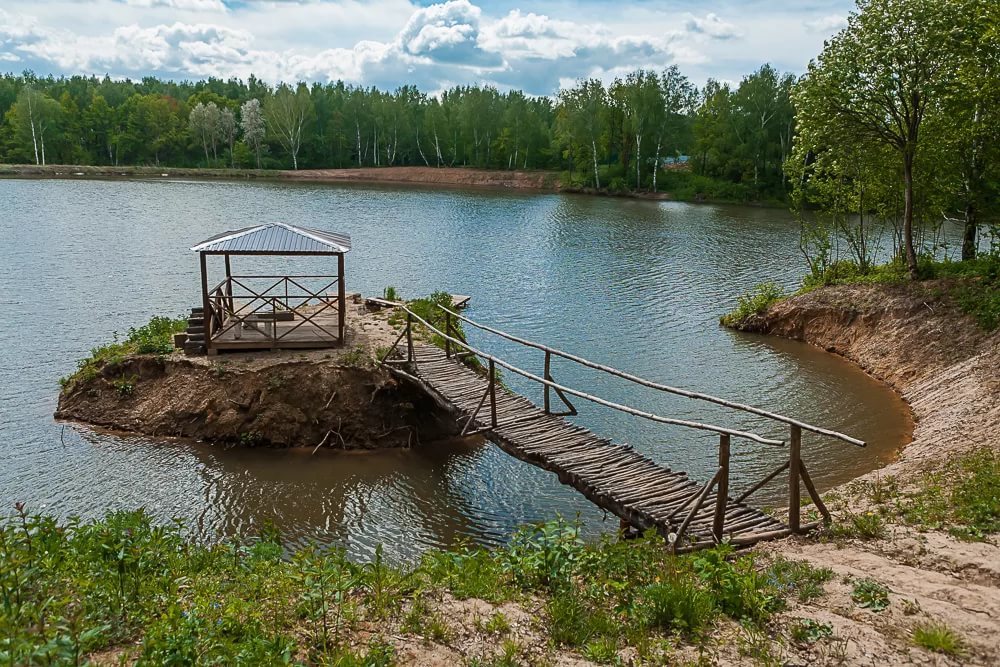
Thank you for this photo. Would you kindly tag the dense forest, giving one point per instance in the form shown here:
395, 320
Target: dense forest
602, 136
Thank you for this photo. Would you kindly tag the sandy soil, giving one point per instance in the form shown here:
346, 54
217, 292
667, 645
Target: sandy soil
446, 176
946, 368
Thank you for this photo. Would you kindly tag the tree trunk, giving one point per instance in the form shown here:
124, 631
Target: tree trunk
970, 236
638, 161
911, 254
593, 147
656, 163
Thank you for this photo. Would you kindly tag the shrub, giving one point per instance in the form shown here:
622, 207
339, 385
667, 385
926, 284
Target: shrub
938, 637
753, 303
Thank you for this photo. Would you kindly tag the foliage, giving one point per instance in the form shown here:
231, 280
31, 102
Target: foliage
939, 638
76, 588
803, 579
809, 631
155, 337
870, 594
961, 497
755, 302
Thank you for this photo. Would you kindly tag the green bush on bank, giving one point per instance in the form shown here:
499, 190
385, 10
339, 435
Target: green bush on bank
73, 589
755, 302
155, 337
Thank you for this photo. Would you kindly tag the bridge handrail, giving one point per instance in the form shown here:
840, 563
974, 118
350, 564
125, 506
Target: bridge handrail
574, 392
659, 386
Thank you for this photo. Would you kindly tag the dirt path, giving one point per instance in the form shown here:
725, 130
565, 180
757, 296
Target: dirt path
946, 368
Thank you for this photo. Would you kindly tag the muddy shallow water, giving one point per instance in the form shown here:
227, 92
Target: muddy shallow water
635, 284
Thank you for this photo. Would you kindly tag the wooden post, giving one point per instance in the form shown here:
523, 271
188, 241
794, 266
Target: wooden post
447, 334
229, 284
794, 458
409, 337
722, 492
493, 395
341, 298
547, 376
205, 305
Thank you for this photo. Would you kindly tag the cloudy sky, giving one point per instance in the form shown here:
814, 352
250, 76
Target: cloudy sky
533, 45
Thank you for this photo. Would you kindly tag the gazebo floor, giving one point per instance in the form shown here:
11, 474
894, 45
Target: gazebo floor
295, 334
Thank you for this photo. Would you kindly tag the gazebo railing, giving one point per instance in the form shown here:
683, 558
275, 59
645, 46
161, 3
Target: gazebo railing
236, 304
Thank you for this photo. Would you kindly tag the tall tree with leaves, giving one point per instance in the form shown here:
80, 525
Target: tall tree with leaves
878, 78
36, 117
252, 126
287, 114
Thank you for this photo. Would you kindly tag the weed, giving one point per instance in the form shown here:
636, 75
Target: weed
938, 638
809, 631
390, 293
251, 439
801, 577
870, 594
602, 650
678, 604
357, 356
867, 525
125, 386
544, 554
739, 589
753, 303
496, 624
755, 643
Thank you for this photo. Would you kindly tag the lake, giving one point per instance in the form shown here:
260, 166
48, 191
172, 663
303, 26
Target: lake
638, 285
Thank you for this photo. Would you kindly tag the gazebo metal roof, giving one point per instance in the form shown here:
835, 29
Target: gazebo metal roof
276, 238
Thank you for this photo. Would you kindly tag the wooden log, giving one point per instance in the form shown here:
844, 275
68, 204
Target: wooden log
794, 452
812, 492
697, 506
759, 485
723, 490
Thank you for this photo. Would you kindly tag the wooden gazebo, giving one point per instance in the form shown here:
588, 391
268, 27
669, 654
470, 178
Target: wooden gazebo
270, 312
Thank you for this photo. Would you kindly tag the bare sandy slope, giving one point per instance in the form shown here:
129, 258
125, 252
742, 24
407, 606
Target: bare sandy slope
445, 176
948, 371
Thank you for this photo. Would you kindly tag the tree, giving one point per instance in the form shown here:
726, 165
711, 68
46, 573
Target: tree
287, 114
253, 127
581, 117
205, 121
677, 95
878, 78
36, 115
227, 130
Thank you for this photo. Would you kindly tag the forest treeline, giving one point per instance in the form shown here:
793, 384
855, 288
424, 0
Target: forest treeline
602, 136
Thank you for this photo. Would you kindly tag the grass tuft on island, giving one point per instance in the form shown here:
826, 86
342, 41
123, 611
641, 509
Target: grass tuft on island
155, 337
124, 588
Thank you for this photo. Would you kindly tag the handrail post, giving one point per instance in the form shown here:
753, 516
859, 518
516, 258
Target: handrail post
794, 462
548, 376
409, 337
722, 492
447, 331
493, 395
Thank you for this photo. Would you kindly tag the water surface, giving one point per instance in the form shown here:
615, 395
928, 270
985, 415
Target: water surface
635, 284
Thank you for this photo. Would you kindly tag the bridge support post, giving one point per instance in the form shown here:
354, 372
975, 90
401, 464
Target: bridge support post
548, 376
409, 338
794, 465
722, 492
447, 331
493, 394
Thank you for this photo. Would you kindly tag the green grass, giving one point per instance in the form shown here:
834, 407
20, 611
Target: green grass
938, 638
155, 337
800, 578
809, 631
962, 497
73, 589
974, 285
758, 300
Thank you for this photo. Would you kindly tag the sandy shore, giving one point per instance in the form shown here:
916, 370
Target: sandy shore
946, 368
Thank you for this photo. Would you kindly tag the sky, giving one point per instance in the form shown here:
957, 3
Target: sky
535, 46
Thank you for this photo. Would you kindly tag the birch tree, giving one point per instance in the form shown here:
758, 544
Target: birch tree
205, 122
287, 114
252, 126
36, 115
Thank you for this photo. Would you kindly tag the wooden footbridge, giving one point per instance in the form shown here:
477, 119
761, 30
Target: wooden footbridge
615, 477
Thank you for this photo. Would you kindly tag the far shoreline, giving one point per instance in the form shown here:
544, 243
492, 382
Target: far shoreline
437, 178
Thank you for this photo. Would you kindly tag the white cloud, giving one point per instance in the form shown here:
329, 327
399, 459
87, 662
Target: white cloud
387, 43
712, 26
193, 5
826, 24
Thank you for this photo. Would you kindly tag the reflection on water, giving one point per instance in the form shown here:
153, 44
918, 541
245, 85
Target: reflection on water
635, 284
